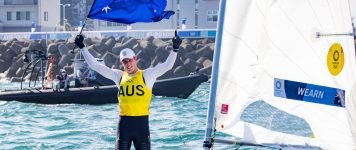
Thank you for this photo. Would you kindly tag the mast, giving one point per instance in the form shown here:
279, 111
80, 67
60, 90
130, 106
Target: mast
211, 105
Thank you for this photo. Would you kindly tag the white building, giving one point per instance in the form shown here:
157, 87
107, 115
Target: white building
199, 14
19, 15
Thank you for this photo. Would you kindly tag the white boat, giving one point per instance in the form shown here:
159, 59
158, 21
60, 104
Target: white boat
296, 56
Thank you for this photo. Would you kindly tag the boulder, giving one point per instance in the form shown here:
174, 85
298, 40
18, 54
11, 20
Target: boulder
4, 65
201, 60
120, 39
179, 72
149, 49
88, 41
125, 39
43, 43
199, 46
110, 42
23, 50
20, 71
129, 43
158, 42
167, 75
93, 52
35, 46
143, 55
191, 65
156, 61
178, 62
149, 38
117, 48
15, 79
8, 55
9, 42
191, 55
206, 70
102, 48
137, 47
52, 48
206, 41
109, 59
16, 48
161, 53
205, 52
65, 60
3, 48
63, 50
33, 77
169, 48
106, 38
187, 47
212, 46
143, 64
11, 72
207, 63
185, 41
194, 43
70, 46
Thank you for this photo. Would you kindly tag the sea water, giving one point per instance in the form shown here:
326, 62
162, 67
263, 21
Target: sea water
175, 124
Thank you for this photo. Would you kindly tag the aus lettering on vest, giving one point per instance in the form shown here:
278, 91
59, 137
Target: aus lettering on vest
311, 93
131, 90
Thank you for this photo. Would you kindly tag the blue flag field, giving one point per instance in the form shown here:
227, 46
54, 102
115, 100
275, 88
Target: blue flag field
129, 11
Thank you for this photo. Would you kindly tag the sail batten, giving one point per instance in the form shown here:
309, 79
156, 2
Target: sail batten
270, 52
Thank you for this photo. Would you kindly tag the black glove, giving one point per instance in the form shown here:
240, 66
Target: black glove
79, 41
176, 41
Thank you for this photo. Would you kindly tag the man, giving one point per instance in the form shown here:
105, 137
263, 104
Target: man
92, 78
80, 76
135, 92
63, 79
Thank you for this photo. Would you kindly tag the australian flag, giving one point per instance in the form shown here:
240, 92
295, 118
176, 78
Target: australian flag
129, 11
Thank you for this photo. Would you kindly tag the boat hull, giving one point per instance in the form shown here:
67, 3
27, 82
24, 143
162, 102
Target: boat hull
178, 87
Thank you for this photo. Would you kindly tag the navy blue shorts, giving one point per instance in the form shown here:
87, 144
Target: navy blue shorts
133, 129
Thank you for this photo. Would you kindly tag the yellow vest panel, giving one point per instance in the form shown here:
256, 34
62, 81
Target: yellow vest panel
134, 96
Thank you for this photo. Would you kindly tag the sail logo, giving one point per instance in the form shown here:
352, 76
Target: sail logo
224, 108
311, 93
292, 90
335, 59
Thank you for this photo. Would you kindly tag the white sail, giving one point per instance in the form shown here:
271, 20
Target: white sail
270, 52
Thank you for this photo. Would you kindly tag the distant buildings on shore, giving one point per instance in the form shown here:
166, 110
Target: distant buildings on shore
47, 15
191, 14
22, 15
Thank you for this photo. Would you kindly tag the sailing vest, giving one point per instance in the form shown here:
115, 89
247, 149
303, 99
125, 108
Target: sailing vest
134, 96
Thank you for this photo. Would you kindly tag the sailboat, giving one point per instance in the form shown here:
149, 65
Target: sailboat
297, 56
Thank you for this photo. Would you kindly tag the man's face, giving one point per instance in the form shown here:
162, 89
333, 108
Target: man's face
130, 65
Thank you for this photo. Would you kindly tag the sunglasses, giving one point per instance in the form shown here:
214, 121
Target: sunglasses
125, 61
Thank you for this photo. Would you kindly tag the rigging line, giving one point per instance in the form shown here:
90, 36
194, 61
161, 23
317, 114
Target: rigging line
252, 50
301, 35
262, 68
243, 40
353, 41
337, 37
266, 33
319, 22
331, 15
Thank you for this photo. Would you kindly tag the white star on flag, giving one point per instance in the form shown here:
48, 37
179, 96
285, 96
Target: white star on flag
106, 9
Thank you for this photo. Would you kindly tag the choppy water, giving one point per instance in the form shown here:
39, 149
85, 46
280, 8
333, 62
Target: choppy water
177, 124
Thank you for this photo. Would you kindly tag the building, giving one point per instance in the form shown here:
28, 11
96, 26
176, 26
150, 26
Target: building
20, 15
48, 15
197, 14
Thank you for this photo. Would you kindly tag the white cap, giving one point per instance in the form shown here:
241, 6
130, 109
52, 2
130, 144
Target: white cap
126, 53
